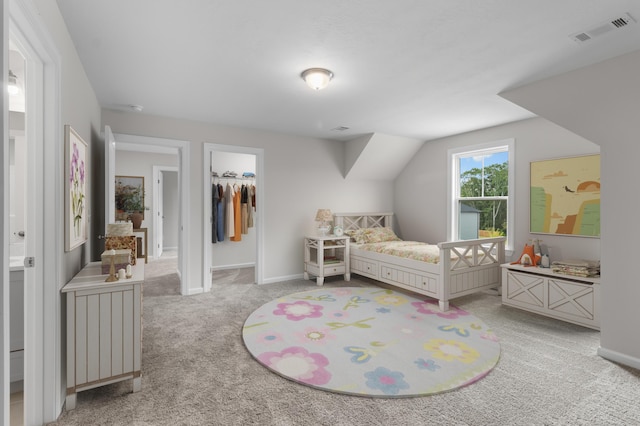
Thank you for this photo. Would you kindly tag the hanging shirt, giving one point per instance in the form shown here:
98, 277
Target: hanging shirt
215, 197
237, 215
221, 218
250, 190
244, 200
230, 226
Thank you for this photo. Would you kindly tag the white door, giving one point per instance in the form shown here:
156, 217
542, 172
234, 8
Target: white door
160, 213
109, 177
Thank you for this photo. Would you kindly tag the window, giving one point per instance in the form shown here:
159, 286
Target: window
481, 191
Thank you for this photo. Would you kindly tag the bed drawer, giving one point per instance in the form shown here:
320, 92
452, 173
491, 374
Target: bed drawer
407, 277
364, 267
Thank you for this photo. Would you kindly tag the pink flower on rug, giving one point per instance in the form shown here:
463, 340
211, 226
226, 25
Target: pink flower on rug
429, 307
389, 382
490, 336
298, 310
269, 338
315, 335
297, 363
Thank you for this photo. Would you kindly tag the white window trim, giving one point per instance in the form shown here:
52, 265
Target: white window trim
453, 172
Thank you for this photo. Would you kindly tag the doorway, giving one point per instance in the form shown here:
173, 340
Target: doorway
182, 150
257, 157
165, 204
42, 381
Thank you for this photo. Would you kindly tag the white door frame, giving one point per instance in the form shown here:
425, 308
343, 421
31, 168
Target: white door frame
158, 207
209, 148
43, 376
184, 156
4, 230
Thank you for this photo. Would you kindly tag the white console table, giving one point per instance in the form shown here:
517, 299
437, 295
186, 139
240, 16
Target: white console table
564, 297
104, 330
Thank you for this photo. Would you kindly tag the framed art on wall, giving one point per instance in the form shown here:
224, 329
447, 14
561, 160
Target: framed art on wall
76, 173
129, 196
565, 196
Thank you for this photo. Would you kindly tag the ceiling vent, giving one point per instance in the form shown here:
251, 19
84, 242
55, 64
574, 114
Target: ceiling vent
340, 129
614, 24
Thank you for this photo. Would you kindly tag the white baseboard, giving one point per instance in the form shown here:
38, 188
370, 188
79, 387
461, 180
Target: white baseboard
194, 291
284, 278
619, 358
236, 266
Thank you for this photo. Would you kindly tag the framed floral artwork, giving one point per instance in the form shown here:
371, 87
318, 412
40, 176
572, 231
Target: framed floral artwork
76, 202
565, 196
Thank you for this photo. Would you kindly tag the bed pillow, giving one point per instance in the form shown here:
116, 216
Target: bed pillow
356, 235
378, 235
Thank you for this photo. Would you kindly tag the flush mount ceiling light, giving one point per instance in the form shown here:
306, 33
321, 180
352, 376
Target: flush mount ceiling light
13, 84
317, 78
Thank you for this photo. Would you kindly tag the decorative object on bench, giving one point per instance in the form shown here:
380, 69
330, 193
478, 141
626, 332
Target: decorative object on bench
370, 341
443, 271
118, 258
122, 242
528, 257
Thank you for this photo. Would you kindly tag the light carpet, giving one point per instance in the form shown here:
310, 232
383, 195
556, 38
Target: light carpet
196, 371
370, 341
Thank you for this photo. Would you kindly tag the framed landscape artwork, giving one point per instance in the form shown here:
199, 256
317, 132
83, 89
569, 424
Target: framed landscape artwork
129, 196
565, 196
76, 173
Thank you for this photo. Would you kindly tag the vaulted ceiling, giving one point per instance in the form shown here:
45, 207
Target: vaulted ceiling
419, 69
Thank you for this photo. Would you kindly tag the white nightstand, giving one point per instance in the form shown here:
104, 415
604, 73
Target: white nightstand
325, 256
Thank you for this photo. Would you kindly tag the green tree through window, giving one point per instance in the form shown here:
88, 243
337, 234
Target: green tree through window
490, 181
479, 196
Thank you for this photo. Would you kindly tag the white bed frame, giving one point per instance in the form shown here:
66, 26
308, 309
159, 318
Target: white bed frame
477, 267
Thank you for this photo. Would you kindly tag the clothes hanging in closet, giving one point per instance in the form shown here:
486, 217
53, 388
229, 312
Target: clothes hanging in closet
229, 216
244, 204
237, 214
233, 208
215, 198
220, 207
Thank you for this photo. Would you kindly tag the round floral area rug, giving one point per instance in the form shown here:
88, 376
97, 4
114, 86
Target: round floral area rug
370, 342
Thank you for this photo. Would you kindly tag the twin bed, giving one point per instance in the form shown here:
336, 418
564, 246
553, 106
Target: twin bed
443, 271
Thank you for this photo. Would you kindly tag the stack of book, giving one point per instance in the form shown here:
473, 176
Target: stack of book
578, 268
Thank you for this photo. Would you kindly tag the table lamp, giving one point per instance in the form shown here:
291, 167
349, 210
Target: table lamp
323, 216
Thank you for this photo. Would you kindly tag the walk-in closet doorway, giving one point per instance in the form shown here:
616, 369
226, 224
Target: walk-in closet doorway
234, 166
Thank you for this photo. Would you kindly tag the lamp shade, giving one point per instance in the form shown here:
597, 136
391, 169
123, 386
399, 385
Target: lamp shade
324, 215
317, 78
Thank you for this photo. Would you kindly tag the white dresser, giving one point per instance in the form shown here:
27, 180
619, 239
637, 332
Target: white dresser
104, 330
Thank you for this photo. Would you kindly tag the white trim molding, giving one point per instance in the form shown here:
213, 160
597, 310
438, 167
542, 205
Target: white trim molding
619, 357
149, 143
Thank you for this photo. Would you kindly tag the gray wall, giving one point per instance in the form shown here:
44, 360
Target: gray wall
421, 189
600, 102
301, 175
